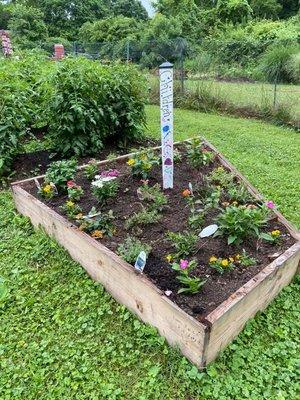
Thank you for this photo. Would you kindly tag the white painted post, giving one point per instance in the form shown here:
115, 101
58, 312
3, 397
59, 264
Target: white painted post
167, 123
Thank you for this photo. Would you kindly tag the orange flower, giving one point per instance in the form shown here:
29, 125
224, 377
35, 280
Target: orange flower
97, 234
186, 193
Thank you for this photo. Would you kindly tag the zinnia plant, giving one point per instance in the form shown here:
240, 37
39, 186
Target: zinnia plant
104, 188
75, 192
191, 285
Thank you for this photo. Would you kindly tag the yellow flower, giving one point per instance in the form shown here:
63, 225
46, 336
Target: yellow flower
275, 233
225, 263
131, 162
238, 257
70, 204
97, 234
47, 189
213, 259
231, 259
169, 258
79, 216
235, 203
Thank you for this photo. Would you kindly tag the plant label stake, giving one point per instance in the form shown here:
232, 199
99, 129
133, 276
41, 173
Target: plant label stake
141, 262
167, 121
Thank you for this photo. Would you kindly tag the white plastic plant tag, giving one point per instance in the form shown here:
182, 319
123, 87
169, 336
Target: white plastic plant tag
208, 231
191, 189
37, 183
141, 262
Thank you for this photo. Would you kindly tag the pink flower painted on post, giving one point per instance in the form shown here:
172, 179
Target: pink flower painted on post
184, 264
270, 204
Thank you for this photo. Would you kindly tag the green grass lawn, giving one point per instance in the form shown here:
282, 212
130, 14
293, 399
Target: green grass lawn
245, 94
63, 337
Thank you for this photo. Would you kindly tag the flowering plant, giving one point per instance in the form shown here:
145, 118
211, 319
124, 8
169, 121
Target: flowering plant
91, 170
191, 285
221, 177
98, 224
152, 195
227, 264
71, 209
48, 190
196, 216
75, 192
104, 187
184, 243
273, 237
142, 163
60, 172
112, 173
197, 154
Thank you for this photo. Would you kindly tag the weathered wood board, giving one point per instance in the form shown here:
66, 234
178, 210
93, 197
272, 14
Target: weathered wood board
199, 342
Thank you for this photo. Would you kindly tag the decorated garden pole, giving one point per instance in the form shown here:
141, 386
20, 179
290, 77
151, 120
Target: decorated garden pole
166, 109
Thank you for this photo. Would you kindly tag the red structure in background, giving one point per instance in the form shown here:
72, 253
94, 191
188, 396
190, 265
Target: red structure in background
59, 51
6, 43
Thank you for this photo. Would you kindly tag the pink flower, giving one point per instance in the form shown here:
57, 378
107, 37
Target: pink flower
71, 184
184, 264
112, 173
145, 182
270, 204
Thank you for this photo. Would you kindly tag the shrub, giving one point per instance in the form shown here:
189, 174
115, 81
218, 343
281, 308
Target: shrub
275, 63
92, 104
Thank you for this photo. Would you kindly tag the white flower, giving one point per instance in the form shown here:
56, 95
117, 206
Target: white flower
99, 183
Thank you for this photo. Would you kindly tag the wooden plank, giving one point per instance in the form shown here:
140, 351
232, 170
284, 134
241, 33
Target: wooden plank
229, 318
134, 291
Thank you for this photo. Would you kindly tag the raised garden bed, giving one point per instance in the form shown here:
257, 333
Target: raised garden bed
200, 323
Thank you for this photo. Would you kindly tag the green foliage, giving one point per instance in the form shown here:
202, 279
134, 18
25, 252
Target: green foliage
221, 177
47, 190
142, 218
93, 104
60, 172
197, 155
221, 265
97, 221
91, 170
105, 188
152, 196
131, 248
27, 26
71, 209
238, 223
265, 9
142, 163
191, 285
183, 243
239, 193
275, 63
234, 11
75, 192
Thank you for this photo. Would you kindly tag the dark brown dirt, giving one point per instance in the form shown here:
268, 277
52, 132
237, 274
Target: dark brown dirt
36, 163
174, 218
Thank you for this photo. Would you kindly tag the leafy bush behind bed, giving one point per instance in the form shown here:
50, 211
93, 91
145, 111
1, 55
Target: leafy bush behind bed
92, 104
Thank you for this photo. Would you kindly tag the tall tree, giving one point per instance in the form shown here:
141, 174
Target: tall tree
129, 8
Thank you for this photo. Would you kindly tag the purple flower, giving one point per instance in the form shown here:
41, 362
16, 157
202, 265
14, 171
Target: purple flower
112, 173
184, 264
270, 204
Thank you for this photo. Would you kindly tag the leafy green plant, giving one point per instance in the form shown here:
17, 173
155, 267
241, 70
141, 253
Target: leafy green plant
142, 163
71, 209
131, 248
241, 222
221, 177
94, 103
3, 289
144, 217
191, 285
47, 190
221, 265
238, 193
98, 224
105, 188
75, 192
197, 154
91, 170
184, 243
245, 259
273, 237
60, 172
152, 196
